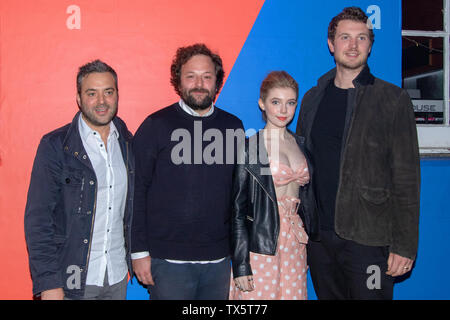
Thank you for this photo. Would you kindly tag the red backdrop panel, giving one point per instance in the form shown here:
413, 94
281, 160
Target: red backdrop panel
41, 49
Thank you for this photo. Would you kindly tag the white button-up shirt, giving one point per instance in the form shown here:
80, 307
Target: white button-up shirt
108, 243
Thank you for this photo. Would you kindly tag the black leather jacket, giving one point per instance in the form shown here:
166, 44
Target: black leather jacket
255, 217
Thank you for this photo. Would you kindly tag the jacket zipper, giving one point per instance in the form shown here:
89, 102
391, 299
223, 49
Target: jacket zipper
254, 178
254, 191
265, 190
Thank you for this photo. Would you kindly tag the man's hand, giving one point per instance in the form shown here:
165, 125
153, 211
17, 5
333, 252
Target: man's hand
142, 269
53, 294
398, 265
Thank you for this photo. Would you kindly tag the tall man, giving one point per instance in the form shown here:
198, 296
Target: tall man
362, 136
181, 225
78, 213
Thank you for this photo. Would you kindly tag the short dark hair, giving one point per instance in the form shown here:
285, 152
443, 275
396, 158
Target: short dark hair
184, 54
349, 13
91, 67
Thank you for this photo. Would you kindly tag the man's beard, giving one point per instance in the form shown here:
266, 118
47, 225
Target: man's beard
351, 66
193, 103
89, 115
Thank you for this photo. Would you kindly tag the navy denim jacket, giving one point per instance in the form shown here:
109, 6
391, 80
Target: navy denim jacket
60, 210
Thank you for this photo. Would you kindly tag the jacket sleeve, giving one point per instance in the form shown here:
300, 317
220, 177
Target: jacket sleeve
144, 149
300, 120
405, 166
239, 232
43, 195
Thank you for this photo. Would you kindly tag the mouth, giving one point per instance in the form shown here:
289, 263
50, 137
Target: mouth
352, 54
199, 91
101, 110
282, 118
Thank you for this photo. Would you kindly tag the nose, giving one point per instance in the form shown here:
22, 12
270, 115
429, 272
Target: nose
353, 43
100, 99
283, 108
199, 82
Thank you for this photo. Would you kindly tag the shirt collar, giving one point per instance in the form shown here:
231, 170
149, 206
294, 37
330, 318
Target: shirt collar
194, 113
86, 131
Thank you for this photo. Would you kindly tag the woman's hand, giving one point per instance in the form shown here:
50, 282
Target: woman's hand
244, 283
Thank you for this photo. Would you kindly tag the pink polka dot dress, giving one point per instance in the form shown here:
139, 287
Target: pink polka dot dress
283, 276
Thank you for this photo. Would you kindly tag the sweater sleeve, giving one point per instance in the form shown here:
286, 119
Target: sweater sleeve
145, 150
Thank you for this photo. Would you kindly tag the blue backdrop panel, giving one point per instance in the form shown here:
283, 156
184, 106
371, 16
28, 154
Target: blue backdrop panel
429, 279
292, 36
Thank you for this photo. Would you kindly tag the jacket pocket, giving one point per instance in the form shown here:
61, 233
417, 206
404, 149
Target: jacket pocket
376, 196
72, 177
73, 187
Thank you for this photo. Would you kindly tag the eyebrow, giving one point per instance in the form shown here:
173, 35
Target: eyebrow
194, 71
293, 99
92, 89
359, 34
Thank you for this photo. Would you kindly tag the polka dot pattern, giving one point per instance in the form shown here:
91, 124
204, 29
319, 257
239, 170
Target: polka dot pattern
283, 276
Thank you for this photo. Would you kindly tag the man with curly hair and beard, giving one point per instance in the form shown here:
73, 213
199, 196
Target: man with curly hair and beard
181, 226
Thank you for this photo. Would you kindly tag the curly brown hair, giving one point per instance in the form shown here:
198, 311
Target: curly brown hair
184, 54
349, 13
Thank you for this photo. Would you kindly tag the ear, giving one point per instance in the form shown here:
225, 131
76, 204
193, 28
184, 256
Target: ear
261, 105
330, 45
78, 100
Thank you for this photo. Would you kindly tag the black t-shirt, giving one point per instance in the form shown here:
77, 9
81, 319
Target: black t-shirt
327, 138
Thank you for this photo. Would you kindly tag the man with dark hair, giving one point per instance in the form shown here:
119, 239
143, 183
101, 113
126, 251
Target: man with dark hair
182, 204
80, 199
362, 135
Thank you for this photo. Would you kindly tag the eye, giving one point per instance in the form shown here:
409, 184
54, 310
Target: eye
90, 94
109, 92
275, 102
363, 38
292, 103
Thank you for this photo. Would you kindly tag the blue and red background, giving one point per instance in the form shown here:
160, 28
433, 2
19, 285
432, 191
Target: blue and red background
40, 53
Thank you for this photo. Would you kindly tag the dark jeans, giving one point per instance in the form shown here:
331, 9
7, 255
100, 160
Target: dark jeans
344, 269
190, 281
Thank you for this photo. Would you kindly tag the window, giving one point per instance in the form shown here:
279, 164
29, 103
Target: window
425, 70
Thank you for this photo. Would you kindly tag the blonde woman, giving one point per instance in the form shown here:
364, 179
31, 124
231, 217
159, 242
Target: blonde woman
268, 234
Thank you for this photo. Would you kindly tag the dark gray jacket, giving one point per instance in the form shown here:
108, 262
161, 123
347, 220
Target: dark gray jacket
60, 210
377, 201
